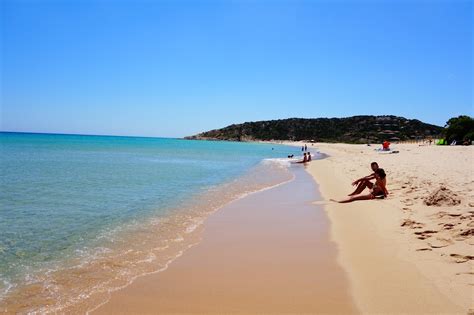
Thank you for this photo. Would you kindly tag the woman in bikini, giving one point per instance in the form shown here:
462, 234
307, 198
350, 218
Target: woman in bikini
377, 189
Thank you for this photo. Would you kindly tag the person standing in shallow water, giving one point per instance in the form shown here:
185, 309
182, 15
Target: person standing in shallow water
305, 147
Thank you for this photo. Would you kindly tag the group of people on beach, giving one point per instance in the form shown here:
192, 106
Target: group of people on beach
306, 158
306, 155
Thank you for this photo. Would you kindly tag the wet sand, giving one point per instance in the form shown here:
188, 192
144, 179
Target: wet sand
269, 252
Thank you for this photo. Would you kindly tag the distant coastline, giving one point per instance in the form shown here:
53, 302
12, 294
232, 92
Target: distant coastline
355, 129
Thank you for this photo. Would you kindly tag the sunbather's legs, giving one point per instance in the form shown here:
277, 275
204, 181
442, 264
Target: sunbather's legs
355, 198
360, 188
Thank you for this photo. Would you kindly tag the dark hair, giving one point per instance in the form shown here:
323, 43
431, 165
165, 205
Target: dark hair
381, 173
374, 163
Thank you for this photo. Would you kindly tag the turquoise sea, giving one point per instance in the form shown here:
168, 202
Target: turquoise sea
83, 215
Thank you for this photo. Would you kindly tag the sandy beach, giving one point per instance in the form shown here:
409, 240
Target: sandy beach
267, 253
412, 252
408, 254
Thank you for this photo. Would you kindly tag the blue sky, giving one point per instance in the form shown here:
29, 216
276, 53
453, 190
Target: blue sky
175, 68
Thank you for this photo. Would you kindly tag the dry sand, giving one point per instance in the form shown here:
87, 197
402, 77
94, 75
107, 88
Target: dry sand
267, 253
412, 252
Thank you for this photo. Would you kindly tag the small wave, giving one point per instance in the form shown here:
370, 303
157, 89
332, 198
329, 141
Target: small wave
191, 228
5, 288
278, 162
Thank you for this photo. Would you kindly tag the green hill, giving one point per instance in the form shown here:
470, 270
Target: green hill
356, 129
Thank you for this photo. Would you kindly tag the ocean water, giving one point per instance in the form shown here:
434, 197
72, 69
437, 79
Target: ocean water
81, 216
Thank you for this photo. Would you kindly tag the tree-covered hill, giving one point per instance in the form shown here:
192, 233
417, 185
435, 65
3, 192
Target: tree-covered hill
356, 129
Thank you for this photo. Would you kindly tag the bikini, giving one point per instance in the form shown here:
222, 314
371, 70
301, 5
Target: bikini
377, 191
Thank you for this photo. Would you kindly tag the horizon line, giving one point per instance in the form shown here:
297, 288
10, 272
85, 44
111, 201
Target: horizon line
85, 134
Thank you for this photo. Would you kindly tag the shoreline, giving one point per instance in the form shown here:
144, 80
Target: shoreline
152, 246
257, 255
382, 245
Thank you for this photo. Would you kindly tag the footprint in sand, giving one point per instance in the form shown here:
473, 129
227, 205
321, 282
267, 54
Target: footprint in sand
440, 242
467, 217
461, 258
465, 235
447, 226
442, 214
425, 234
412, 224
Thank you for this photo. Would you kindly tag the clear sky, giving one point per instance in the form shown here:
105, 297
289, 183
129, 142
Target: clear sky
175, 68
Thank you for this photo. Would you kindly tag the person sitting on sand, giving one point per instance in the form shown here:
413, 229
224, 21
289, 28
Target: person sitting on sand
305, 159
309, 156
378, 189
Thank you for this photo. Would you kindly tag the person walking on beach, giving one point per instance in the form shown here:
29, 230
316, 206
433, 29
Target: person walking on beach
378, 189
